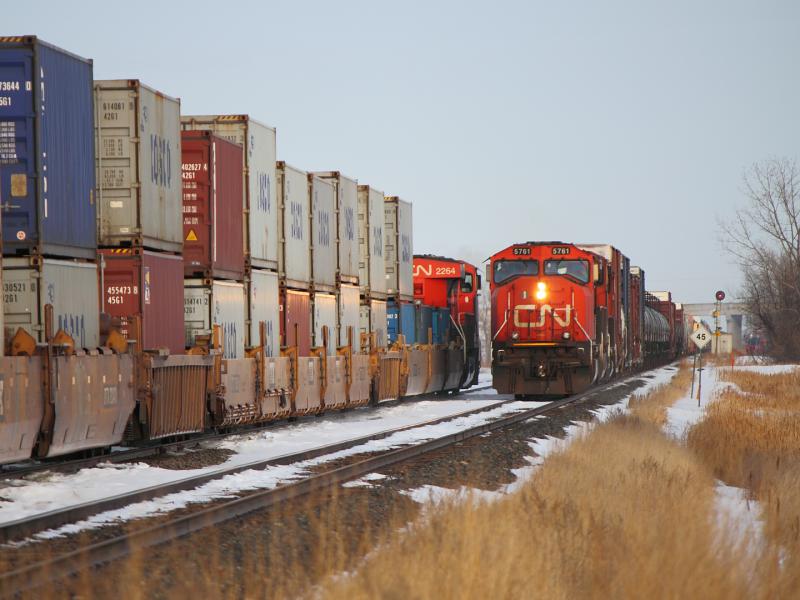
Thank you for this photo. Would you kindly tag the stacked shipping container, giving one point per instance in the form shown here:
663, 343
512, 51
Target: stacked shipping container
259, 208
47, 183
139, 221
372, 268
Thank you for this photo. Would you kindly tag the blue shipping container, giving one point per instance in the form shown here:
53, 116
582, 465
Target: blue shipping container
441, 325
401, 320
392, 321
47, 169
408, 317
424, 322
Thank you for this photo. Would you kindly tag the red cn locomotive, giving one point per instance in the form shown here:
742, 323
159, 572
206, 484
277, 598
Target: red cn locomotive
560, 315
453, 284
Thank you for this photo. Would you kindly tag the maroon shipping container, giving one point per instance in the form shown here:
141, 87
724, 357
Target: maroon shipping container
148, 284
213, 221
296, 320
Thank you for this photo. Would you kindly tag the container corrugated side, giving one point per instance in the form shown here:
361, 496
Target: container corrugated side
372, 270
219, 303
347, 298
398, 248
377, 321
295, 209
47, 176
70, 286
260, 198
347, 246
324, 311
138, 166
408, 325
145, 284
264, 305
323, 232
297, 320
211, 169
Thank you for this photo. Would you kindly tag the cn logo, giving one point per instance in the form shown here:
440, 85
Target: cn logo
420, 270
546, 309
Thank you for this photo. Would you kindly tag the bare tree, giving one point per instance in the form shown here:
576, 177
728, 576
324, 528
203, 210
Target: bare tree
764, 237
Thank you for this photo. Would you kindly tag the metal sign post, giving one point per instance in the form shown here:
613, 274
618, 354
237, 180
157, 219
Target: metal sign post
701, 337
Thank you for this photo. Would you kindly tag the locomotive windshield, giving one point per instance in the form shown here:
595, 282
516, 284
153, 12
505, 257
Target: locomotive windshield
576, 269
503, 270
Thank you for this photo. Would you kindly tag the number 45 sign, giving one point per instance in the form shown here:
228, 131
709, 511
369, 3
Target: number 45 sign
701, 337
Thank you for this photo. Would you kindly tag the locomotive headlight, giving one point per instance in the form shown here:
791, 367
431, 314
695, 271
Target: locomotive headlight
541, 290
515, 335
565, 335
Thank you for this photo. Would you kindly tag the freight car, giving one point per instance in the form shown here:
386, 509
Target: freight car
565, 316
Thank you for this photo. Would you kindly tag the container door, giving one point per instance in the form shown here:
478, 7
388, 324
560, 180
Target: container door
117, 164
21, 301
196, 176
120, 296
17, 148
196, 312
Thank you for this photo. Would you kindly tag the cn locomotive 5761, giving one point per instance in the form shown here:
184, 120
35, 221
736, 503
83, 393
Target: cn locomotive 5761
565, 316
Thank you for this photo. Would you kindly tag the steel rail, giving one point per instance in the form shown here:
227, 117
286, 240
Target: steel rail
154, 449
26, 526
31, 576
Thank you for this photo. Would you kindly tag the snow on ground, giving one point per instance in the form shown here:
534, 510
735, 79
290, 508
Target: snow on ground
738, 517
35, 498
541, 448
686, 412
52, 491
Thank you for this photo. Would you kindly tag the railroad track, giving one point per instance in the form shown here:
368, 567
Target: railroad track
30, 576
71, 465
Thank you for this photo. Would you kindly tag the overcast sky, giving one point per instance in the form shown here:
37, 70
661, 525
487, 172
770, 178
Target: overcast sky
618, 122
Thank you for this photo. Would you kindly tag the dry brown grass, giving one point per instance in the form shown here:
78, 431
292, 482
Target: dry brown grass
652, 407
624, 512
751, 438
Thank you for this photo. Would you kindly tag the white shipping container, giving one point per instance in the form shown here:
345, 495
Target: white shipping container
323, 232
378, 322
71, 287
373, 320
372, 270
346, 225
264, 305
261, 227
399, 248
138, 153
348, 303
324, 310
295, 248
220, 303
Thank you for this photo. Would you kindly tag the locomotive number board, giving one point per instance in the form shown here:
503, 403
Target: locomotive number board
560, 251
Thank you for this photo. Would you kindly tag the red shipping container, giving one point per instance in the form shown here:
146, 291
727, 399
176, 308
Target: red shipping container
148, 284
213, 220
296, 320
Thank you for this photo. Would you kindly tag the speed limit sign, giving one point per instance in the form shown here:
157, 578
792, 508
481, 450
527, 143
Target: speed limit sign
701, 337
